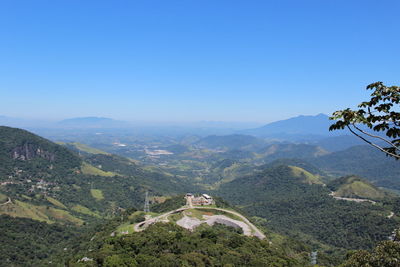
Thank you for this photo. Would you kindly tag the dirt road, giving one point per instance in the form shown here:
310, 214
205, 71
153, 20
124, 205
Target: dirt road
143, 225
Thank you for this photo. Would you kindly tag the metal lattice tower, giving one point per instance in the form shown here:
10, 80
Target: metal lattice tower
314, 256
147, 203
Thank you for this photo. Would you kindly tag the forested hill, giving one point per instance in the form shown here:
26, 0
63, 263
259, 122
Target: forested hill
171, 245
48, 182
28, 152
296, 128
364, 161
356, 187
167, 244
55, 193
295, 202
235, 141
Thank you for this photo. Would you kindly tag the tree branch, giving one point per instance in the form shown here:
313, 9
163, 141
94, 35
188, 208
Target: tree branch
372, 144
376, 136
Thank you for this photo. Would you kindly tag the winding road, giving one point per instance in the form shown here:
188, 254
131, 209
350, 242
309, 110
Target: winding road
143, 225
8, 202
332, 194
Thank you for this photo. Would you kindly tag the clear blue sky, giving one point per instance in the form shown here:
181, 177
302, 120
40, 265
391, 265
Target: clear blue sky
193, 60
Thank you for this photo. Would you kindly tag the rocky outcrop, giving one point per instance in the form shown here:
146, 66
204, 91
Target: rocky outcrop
29, 151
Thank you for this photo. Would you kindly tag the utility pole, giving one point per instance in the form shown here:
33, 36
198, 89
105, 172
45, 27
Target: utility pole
146, 203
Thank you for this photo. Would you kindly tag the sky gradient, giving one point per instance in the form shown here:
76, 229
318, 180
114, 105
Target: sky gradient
193, 60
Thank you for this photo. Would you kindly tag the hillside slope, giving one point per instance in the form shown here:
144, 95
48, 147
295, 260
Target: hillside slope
364, 161
296, 128
356, 187
167, 244
21, 150
297, 207
47, 182
52, 191
235, 141
171, 245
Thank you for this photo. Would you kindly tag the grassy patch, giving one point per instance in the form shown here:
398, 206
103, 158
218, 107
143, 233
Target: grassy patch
97, 194
195, 213
62, 216
24, 210
76, 187
88, 169
305, 175
229, 174
198, 213
141, 213
136, 214
158, 199
39, 213
175, 217
360, 189
206, 206
83, 210
123, 228
88, 149
3, 198
55, 202
26, 197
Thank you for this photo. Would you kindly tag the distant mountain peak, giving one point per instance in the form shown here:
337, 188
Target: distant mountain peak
300, 127
321, 115
90, 118
92, 122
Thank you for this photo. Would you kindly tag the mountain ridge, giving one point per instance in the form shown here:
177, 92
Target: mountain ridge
92, 122
302, 127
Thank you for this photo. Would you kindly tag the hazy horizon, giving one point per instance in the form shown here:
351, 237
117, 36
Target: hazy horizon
138, 123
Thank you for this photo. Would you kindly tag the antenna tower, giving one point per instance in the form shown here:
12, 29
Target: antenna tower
314, 256
147, 203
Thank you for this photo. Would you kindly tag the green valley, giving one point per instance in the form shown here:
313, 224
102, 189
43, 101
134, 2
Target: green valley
278, 187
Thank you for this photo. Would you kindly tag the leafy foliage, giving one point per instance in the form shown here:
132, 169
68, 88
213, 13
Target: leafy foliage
379, 114
387, 254
169, 204
25, 242
171, 245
